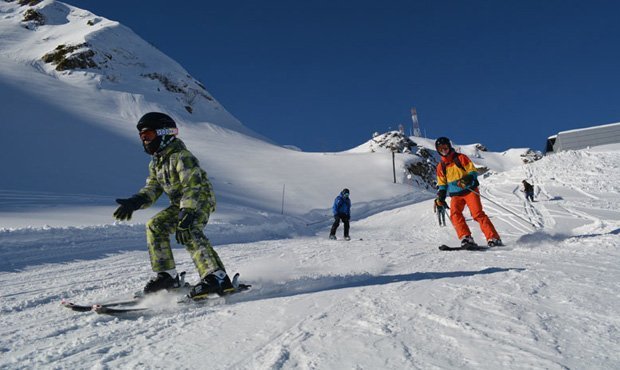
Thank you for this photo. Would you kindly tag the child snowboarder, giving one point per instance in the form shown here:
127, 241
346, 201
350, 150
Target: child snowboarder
457, 176
342, 211
175, 171
440, 209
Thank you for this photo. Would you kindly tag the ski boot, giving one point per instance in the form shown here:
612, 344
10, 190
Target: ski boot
332, 237
468, 242
347, 238
495, 242
163, 281
216, 282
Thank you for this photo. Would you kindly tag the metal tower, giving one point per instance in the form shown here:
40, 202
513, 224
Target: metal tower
416, 125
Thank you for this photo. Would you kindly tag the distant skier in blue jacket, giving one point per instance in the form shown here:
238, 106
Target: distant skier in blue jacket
342, 211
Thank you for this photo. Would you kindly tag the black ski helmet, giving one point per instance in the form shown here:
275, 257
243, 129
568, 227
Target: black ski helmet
345, 191
157, 121
441, 141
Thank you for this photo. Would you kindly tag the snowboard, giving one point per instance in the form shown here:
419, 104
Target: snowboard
471, 247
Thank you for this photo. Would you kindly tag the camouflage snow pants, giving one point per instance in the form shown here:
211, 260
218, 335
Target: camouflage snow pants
158, 230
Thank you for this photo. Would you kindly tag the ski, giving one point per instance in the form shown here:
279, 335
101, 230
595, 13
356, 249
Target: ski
471, 247
215, 297
111, 307
111, 310
89, 307
119, 306
132, 306
238, 288
183, 286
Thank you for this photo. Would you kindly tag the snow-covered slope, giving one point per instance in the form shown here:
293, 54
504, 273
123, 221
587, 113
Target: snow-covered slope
388, 299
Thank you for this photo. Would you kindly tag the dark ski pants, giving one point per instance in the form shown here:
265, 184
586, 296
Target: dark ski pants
345, 221
441, 216
529, 195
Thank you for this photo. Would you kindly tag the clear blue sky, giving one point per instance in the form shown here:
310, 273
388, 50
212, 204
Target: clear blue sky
325, 75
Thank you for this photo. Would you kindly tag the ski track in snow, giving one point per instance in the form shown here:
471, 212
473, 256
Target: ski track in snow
548, 299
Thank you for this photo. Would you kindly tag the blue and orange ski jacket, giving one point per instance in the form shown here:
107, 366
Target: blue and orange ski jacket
453, 173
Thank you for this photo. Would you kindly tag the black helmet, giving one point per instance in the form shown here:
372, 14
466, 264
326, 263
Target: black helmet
165, 130
443, 141
155, 121
345, 191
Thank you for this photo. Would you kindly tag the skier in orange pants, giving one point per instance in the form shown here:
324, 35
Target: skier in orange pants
457, 176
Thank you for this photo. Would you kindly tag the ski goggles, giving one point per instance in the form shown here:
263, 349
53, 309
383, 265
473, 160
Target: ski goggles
443, 148
151, 134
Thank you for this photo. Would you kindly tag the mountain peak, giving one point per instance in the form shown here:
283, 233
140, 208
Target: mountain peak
77, 47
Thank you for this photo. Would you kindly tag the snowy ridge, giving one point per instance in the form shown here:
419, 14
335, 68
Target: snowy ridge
497, 162
109, 59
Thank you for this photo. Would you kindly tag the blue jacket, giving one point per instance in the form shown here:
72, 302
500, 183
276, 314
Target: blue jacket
342, 205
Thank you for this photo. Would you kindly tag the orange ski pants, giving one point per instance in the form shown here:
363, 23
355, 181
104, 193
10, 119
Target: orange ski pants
472, 201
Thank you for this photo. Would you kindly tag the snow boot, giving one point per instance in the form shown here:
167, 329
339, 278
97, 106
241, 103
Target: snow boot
495, 242
332, 237
216, 282
163, 281
347, 238
467, 241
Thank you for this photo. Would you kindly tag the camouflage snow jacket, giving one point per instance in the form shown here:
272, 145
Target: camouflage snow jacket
177, 172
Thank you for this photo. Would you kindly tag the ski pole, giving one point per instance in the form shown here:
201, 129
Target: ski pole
504, 208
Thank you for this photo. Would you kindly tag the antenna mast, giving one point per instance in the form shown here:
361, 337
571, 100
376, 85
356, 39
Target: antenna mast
416, 125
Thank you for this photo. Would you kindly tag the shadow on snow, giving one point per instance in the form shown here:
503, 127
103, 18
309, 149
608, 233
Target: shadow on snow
327, 283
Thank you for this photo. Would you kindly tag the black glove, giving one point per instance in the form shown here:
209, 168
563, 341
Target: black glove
466, 181
441, 198
441, 203
438, 203
127, 206
186, 220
